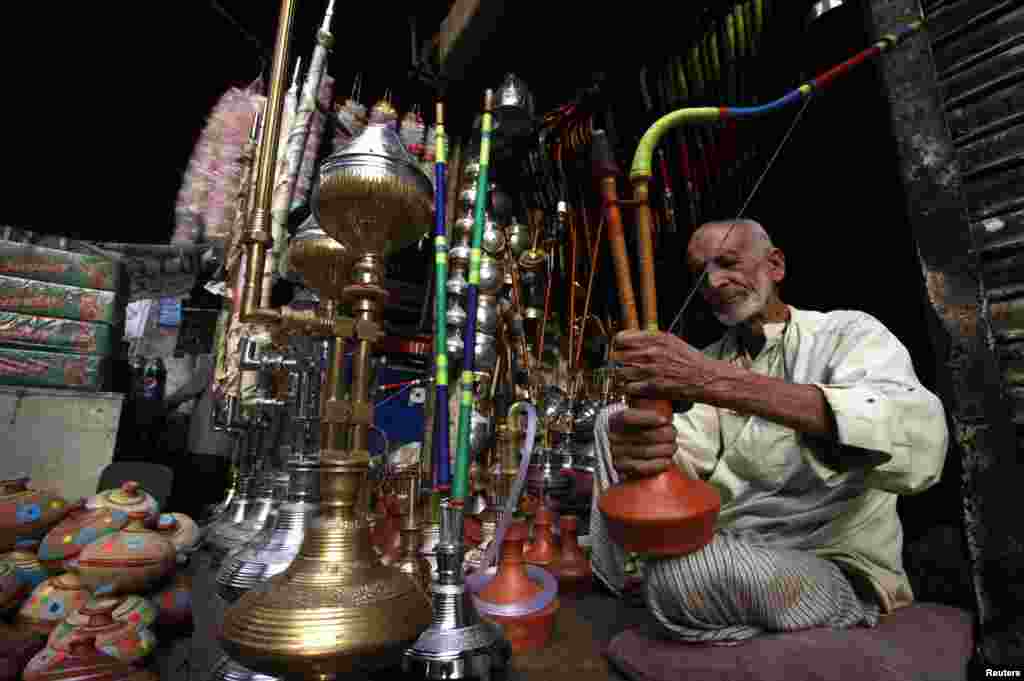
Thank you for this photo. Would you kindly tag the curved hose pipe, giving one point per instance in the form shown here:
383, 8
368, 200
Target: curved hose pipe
640, 172
491, 555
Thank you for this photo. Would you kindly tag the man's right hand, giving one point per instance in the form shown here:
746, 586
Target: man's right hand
642, 442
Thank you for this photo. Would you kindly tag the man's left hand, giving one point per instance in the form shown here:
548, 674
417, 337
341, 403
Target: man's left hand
659, 365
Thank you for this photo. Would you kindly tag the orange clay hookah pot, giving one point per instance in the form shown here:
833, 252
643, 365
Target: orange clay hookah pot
668, 514
542, 550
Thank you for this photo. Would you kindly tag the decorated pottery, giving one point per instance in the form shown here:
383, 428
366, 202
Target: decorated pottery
81, 527
175, 603
572, 568
10, 589
51, 602
81, 662
123, 640
136, 610
16, 649
542, 550
129, 561
27, 568
513, 586
182, 531
26, 513
129, 497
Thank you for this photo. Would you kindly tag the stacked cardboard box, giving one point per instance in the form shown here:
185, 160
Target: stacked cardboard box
61, 317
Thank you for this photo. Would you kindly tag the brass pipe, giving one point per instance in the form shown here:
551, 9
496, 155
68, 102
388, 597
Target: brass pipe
332, 434
257, 237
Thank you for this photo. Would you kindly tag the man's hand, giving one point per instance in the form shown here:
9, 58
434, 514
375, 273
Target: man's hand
642, 442
659, 365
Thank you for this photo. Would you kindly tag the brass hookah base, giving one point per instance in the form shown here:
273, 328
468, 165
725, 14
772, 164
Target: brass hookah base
458, 644
336, 610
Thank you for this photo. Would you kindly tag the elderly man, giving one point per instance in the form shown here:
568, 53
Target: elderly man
808, 424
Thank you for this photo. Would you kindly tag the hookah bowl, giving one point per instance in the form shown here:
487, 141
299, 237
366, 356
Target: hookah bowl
458, 644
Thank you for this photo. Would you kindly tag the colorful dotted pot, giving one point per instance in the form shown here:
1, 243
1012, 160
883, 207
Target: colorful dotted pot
26, 513
82, 527
129, 561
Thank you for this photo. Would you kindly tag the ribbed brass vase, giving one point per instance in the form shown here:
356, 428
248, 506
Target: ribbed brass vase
336, 610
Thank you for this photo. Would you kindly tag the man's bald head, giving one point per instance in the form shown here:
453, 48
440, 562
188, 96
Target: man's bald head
745, 233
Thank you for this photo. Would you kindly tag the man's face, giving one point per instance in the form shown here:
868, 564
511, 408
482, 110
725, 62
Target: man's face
741, 273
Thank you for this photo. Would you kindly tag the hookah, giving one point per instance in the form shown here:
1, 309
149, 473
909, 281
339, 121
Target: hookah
336, 609
228, 418
267, 410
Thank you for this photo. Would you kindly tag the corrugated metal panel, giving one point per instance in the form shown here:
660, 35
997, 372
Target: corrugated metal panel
979, 54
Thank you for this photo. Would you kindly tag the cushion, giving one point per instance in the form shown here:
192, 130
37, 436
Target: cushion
921, 642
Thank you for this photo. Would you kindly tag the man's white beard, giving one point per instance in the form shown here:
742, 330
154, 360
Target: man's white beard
752, 303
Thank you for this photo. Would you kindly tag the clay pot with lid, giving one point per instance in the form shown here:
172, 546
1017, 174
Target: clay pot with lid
572, 568
182, 532
51, 602
129, 497
542, 550
81, 662
94, 620
28, 570
129, 561
175, 604
10, 589
512, 586
81, 527
26, 513
16, 649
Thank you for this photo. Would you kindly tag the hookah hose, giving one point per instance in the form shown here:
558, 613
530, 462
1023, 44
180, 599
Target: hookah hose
640, 172
440, 447
461, 482
482, 577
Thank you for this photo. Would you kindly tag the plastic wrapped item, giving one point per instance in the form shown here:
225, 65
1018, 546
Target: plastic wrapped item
60, 267
205, 209
47, 333
52, 369
57, 300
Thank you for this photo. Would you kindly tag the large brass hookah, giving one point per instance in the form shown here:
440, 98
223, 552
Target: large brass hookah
336, 610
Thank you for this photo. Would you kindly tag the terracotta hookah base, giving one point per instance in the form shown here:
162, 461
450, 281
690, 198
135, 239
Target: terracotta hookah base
666, 515
532, 632
575, 585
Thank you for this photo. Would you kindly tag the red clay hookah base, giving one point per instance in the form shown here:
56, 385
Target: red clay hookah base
668, 514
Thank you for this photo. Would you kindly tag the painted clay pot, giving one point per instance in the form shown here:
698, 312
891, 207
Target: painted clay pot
27, 568
82, 662
81, 527
542, 550
16, 649
668, 514
175, 604
134, 611
182, 531
512, 585
129, 497
94, 620
51, 602
573, 570
26, 513
10, 589
129, 561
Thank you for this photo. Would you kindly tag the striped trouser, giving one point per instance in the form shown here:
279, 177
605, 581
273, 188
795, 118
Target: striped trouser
731, 589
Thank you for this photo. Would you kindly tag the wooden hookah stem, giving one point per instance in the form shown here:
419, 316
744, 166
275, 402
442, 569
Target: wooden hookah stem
645, 237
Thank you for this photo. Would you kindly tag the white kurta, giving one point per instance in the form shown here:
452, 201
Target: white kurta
837, 500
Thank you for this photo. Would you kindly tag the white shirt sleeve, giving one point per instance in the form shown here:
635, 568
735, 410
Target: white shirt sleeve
880, 406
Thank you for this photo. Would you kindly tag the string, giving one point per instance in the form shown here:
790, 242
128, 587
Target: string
743, 209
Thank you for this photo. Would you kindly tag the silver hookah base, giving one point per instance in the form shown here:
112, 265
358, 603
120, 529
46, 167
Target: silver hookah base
226, 669
477, 652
